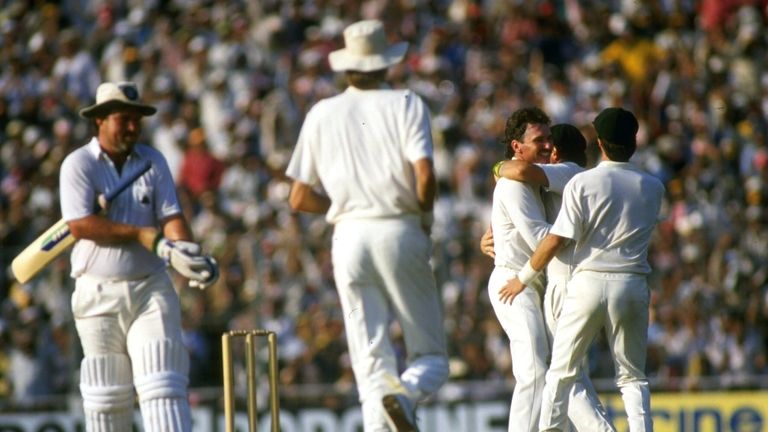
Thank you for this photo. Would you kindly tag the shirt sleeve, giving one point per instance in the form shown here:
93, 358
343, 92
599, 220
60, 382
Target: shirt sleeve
569, 220
558, 175
165, 191
525, 209
302, 166
418, 144
76, 192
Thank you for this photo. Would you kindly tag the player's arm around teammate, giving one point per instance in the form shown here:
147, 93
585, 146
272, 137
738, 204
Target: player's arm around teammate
608, 290
518, 222
568, 158
511, 169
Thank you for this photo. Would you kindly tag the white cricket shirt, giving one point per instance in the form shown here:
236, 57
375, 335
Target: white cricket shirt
610, 211
518, 220
88, 172
558, 175
359, 146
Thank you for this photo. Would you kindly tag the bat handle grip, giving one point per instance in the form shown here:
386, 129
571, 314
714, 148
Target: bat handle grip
144, 166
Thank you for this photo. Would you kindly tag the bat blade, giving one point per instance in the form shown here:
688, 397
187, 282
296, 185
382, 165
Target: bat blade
58, 238
42, 251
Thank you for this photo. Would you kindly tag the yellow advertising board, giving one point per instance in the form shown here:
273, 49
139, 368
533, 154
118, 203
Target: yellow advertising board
744, 411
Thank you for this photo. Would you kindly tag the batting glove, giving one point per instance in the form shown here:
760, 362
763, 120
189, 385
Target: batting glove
208, 276
185, 258
188, 247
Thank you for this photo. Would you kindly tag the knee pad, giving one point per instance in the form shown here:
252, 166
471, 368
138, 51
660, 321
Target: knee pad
160, 370
105, 383
425, 375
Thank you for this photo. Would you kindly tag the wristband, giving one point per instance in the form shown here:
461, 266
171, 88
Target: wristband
158, 238
496, 170
527, 274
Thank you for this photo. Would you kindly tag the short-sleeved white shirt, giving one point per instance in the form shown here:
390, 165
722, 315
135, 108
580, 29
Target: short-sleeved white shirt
88, 172
518, 221
558, 175
359, 146
610, 212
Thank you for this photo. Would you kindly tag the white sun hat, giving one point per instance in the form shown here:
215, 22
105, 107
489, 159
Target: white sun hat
366, 49
111, 95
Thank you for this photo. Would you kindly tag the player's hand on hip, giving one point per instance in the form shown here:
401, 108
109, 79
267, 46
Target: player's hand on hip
486, 243
508, 292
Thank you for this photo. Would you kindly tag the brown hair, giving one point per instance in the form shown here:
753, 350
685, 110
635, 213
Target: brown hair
366, 80
518, 122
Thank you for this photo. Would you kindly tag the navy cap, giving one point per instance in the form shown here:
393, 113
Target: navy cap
617, 126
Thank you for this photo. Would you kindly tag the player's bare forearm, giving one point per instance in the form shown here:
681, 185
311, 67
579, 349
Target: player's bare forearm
426, 184
523, 171
104, 231
547, 250
543, 254
305, 199
177, 228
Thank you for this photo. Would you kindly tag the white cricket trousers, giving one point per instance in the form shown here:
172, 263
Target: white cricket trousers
523, 322
130, 332
618, 304
382, 271
585, 411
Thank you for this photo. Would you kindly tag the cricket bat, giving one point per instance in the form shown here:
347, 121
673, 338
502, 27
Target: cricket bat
57, 238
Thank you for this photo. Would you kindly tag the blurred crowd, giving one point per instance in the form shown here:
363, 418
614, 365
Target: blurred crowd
232, 81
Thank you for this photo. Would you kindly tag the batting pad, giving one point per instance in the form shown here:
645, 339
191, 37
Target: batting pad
160, 372
105, 384
425, 375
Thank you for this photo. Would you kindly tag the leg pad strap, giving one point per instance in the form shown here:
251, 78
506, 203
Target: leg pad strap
105, 383
161, 370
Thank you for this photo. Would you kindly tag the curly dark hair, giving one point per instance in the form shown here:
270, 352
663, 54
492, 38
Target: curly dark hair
518, 122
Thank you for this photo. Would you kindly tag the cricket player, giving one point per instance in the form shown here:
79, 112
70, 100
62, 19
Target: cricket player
609, 212
370, 148
568, 158
518, 222
126, 309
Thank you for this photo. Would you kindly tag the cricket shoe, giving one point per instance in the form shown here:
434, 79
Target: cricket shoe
400, 413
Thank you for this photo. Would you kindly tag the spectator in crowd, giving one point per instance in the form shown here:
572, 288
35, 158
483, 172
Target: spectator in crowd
201, 171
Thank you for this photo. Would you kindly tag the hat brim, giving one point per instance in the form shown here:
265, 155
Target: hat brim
343, 60
103, 109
